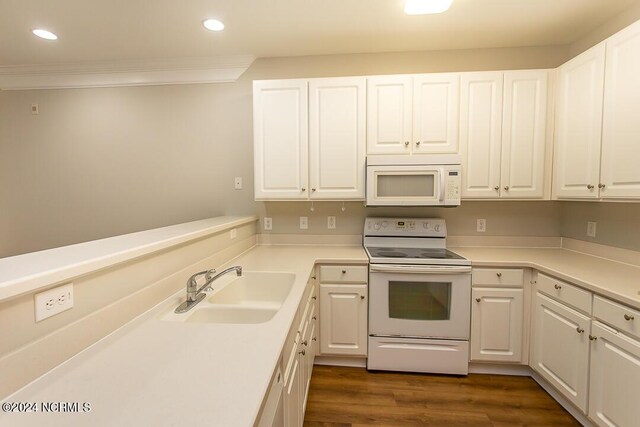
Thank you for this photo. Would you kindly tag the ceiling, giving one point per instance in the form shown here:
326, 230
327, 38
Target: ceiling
125, 30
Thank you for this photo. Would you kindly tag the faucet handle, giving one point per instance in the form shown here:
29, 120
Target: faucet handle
209, 274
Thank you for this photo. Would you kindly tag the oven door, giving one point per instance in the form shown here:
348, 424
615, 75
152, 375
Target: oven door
419, 301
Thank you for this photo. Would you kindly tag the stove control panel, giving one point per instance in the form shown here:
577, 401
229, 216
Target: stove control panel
408, 227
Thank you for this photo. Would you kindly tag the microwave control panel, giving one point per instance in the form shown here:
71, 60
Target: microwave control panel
452, 186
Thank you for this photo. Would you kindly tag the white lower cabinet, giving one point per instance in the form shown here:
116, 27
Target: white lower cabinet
293, 414
614, 378
343, 319
561, 348
496, 324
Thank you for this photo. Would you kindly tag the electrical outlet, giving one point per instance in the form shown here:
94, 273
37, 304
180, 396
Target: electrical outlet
591, 229
481, 225
238, 183
53, 301
233, 233
304, 223
331, 222
267, 223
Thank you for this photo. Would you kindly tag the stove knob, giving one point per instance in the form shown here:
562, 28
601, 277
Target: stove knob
425, 225
437, 228
376, 226
384, 224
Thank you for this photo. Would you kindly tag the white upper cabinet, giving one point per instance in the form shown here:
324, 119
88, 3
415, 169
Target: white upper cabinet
280, 139
389, 112
413, 114
435, 113
620, 173
481, 133
337, 121
579, 125
524, 134
309, 139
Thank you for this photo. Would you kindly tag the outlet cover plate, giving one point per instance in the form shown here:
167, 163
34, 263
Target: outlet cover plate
53, 301
331, 222
481, 225
267, 223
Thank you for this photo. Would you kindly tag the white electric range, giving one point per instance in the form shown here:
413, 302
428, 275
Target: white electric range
419, 297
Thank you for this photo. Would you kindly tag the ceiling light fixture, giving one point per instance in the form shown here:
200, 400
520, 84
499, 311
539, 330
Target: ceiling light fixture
425, 7
44, 34
213, 25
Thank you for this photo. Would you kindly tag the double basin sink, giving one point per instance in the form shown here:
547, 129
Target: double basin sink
254, 297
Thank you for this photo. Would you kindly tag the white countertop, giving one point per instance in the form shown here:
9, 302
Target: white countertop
159, 373
613, 279
25, 273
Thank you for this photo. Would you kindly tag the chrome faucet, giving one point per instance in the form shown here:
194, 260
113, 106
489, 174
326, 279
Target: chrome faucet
195, 294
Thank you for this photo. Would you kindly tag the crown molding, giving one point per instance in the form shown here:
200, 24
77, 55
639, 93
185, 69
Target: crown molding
131, 73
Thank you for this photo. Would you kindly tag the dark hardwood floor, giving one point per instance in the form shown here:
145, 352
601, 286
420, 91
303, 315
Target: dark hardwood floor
354, 397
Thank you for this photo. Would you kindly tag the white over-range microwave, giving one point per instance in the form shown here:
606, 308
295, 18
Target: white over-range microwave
413, 180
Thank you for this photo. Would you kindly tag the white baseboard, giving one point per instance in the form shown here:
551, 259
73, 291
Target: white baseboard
352, 362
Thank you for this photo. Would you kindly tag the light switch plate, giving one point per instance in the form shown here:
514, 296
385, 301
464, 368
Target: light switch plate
53, 301
267, 223
591, 229
304, 222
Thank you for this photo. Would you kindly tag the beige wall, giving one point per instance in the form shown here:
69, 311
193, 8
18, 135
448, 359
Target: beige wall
102, 162
618, 224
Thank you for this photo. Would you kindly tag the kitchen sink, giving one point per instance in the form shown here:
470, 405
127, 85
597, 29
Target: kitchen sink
254, 297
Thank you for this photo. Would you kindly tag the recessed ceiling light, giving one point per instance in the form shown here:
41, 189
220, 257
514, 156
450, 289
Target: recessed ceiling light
44, 34
213, 25
425, 7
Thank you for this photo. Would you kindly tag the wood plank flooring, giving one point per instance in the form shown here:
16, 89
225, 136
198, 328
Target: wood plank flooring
353, 397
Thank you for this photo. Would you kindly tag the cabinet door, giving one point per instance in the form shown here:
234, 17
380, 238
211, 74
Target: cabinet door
524, 134
280, 137
614, 378
389, 115
481, 134
337, 138
435, 113
621, 127
579, 125
292, 397
496, 324
343, 319
561, 348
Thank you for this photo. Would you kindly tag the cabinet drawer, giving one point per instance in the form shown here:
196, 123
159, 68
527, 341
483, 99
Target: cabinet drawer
621, 317
512, 277
344, 274
563, 291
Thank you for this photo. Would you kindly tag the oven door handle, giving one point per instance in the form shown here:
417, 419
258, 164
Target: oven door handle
420, 269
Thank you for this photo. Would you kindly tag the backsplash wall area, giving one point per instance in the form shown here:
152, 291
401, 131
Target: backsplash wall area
617, 224
507, 218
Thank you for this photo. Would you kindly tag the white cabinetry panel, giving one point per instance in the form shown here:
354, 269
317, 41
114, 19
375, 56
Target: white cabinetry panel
579, 125
389, 114
621, 126
343, 319
435, 113
524, 134
337, 138
481, 133
280, 139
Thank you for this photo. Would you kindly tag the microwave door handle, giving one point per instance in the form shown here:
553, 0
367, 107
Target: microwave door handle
383, 268
441, 170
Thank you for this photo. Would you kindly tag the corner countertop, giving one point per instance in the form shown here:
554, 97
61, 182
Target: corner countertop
616, 280
164, 373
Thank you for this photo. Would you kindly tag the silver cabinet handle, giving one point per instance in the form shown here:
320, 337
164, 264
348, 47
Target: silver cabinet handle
627, 317
344, 271
506, 187
361, 296
406, 143
557, 287
418, 143
478, 299
314, 339
303, 189
314, 297
313, 277
304, 343
314, 318
499, 274
579, 330
592, 338
601, 186
302, 352
313, 189
497, 188
590, 187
